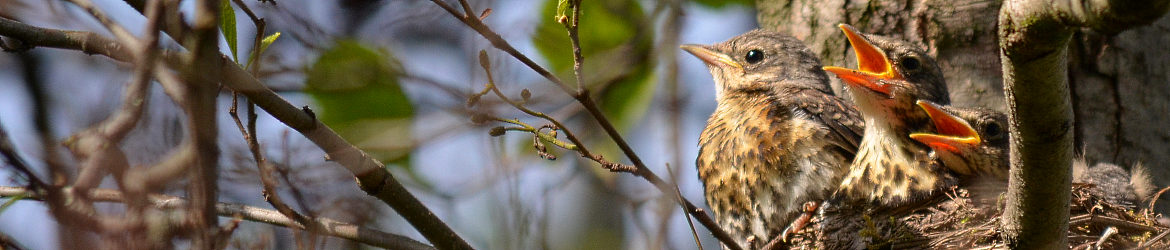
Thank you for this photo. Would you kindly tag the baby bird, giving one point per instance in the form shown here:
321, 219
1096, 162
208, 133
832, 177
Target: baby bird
890, 169
778, 137
969, 141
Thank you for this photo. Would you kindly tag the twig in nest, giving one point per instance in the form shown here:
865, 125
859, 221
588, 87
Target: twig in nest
1157, 195
1110, 231
1155, 239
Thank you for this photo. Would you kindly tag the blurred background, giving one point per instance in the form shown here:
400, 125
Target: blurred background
393, 77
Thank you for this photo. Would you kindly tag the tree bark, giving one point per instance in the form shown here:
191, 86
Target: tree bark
1119, 81
1034, 37
1034, 54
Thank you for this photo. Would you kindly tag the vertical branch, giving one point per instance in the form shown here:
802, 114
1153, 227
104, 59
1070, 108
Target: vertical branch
30, 64
1034, 37
202, 74
575, 38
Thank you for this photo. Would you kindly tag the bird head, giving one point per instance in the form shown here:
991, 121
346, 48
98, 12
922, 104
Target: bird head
759, 60
969, 141
891, 75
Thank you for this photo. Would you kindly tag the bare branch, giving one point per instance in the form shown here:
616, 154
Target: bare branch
94, 145
371, 175
119, 32
202, 73
576, 41
582, 96
499, 42
266, 169
330, 227
13, 159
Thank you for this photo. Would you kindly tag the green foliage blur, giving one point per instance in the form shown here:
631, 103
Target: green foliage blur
357, 94
616, 42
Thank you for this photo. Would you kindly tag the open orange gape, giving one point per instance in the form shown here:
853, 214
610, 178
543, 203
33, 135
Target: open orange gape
953, 132
872, 64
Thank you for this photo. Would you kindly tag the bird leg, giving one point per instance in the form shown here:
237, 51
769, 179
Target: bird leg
809, 209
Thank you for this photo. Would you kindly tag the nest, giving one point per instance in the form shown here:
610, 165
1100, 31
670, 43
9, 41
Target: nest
969, 218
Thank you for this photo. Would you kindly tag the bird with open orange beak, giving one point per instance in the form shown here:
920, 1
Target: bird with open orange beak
968, 141
891, 169
891, 173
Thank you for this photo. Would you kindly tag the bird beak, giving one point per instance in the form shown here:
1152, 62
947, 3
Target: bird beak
858, 78
953, 132
710, 56
872, 64
870, 59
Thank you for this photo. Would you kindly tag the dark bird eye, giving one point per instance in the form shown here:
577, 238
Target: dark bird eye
910, 63
992, 130
754, 56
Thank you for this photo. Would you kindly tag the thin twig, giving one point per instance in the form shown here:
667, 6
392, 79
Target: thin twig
34, 83
7, 242
1112, 221
225, 232
1109, 232
13, 158
92, 144
372, 176
249, 132
1153, 240
575, 38
119, 32
1157, 196
499, 42
265, 172
678, 195
583, 97
254, 59
577, 144
332, 227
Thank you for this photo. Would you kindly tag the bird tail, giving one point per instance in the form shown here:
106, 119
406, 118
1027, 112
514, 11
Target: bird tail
1142, 182
1080, 168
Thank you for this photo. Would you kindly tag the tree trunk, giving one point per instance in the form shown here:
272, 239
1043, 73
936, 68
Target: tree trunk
1119, 82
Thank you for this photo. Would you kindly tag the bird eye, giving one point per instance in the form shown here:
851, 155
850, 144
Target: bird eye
910, 63
754, 56
992, 130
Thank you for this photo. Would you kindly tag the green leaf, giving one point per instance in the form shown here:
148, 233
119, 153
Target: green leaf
562, 7
616, 42
268, 40
626, 102
357, 94
227, 25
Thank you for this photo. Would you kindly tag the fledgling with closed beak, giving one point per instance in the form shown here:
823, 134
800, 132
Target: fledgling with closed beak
778, 137
890, 169
967, 141
1131, 189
